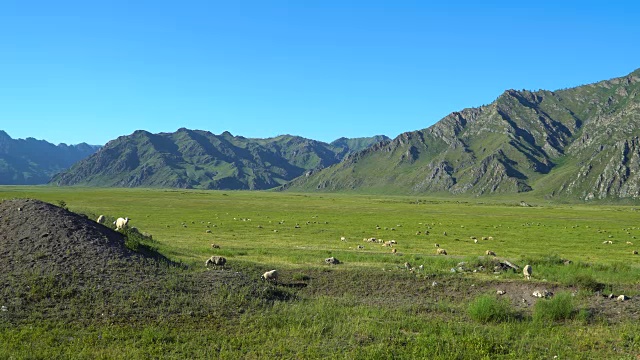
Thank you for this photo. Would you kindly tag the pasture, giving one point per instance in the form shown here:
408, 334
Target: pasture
370, 305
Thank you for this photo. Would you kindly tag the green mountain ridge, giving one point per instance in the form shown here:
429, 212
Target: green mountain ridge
31, 162
202, 160
581, 142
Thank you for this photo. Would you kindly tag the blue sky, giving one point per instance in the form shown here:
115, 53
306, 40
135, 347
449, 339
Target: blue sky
74, 71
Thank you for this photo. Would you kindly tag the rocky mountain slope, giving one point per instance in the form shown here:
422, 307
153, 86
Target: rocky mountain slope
31, 161
581, 142
200, 159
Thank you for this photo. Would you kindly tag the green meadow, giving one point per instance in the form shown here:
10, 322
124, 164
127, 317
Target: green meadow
371, 305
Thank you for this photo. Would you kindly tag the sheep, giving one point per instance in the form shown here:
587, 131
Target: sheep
635, 252
394, 251
215, 261
100, 219
407, 266
436, 245
342, 238
490, 253
629, 243
215, 246
475, 241
527, 271
490, 238
121, 223
271, 276
441, 251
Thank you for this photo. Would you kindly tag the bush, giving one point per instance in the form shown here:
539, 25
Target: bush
560, 307
488, 308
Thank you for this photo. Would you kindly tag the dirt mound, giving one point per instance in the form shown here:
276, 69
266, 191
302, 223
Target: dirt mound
39, 237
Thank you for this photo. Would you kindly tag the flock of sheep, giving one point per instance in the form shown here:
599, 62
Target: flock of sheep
272, 275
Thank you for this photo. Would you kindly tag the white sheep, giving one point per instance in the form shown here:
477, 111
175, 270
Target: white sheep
441, 251
121, 223
490, 253
100, 219
215, 261
527, 271
271, 275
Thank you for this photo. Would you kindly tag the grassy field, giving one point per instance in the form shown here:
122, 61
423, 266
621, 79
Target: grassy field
370, 306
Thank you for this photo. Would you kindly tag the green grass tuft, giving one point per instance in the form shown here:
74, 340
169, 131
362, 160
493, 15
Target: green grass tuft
488, 308
558, 308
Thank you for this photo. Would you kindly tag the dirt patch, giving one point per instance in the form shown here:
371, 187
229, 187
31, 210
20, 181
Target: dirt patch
55, 263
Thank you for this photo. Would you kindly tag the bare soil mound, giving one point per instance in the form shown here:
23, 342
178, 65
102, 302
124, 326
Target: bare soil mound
55, 264
39, 237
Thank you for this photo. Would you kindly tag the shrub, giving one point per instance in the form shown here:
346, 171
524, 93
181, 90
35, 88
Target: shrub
488, 308
560, 307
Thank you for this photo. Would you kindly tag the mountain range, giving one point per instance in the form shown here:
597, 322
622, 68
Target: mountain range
201, 160
31, 162
582, 142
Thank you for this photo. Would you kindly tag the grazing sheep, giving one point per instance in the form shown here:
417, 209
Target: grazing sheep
629, 243
100, 219
215, 261
271, 276
490, 253
342, 238
527, 271
394, 251
407, 266
635, 252
360, 247
490, 238
436, 245
121, 223
441, 251
215, 246
332, 261
483, 238
475, 241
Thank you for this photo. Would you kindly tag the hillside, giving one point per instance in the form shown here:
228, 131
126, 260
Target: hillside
581, 142
200, 159
32, 162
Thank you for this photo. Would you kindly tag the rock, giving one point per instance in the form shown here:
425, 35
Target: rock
542, 294
332, 261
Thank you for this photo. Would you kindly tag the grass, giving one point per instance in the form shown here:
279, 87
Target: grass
369, 306
559, 307
488, 308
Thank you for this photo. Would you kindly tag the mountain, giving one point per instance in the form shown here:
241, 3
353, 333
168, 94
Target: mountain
200, 159
582, 142
32, 162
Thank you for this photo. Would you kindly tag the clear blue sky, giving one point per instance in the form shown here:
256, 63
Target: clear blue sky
74, 71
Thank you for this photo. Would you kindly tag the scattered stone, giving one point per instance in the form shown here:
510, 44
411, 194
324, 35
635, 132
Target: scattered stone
542, 294
332, 261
